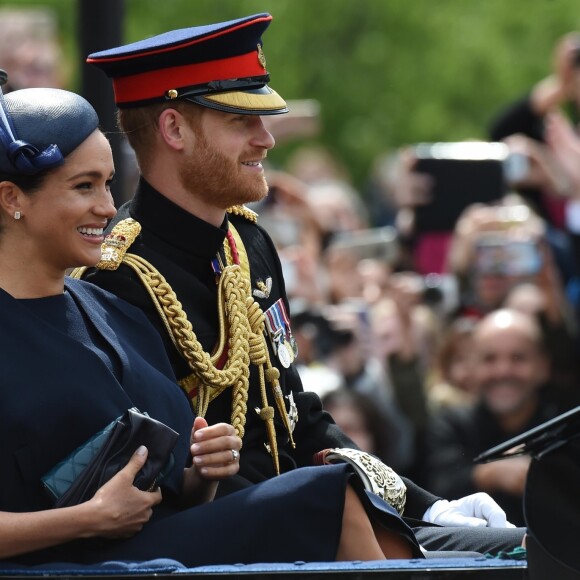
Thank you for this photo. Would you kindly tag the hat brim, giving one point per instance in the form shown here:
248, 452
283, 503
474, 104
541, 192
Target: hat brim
260, 101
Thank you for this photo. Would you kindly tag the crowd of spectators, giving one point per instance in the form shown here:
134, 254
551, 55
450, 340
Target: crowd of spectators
429, 346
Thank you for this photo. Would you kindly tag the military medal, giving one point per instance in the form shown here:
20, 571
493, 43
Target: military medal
289, 348
284, 355
294, 345
278, 327
289, 338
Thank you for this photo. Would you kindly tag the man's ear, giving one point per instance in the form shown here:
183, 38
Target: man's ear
171, 126
10, 198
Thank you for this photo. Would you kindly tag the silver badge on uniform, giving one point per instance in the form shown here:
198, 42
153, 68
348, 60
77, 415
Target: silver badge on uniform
292, 412
263, 288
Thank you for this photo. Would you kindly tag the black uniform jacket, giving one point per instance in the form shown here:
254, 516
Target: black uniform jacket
182, 246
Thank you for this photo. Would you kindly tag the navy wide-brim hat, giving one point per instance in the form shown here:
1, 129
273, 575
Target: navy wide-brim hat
221, 66
40, 127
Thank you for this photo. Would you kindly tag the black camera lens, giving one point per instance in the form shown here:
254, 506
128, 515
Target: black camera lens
432, 292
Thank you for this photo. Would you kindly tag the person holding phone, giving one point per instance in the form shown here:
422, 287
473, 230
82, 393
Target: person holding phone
522, 125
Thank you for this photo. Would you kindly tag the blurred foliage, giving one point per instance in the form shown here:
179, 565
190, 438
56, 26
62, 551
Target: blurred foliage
386, 72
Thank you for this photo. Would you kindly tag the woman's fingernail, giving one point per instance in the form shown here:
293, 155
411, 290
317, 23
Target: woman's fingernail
141, 450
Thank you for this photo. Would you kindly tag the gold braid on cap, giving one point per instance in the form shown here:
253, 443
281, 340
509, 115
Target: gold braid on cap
241, 321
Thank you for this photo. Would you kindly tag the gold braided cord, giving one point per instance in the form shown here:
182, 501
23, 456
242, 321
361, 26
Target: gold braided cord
259, 354
244, 345
241, 334
235, 372
244, 212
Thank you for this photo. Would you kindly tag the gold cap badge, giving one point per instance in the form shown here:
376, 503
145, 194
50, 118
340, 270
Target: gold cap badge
261, 57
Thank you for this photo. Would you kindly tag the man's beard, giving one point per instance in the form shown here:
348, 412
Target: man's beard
217, 180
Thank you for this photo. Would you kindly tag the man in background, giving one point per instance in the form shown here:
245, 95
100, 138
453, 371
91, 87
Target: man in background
510, 371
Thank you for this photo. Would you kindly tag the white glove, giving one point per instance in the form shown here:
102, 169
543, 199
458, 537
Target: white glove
477, 510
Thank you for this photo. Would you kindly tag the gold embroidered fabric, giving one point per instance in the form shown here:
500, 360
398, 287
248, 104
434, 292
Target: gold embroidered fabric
244, 211
376, 476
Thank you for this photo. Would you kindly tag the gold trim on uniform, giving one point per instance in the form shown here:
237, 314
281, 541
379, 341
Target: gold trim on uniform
244, 212
376, 476
269, 100
114, 246
117, 242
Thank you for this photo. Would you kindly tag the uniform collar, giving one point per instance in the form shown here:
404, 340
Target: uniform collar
174, 225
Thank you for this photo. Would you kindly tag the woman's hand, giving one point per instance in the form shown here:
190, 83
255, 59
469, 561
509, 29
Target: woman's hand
121, 509
117, 510
215, 454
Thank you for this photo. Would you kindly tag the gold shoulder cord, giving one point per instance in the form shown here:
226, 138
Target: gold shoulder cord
241, 322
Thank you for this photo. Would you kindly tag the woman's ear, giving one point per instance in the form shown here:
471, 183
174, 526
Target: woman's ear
172, 125
10, 199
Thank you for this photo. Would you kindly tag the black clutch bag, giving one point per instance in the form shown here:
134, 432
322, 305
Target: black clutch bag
77, 477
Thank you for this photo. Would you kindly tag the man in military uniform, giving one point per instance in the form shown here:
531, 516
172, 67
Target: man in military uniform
187, 252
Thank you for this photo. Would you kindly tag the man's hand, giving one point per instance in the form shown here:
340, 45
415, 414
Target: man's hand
476, 510
215, 452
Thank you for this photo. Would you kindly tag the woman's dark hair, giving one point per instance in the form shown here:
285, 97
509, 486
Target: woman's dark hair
27, 183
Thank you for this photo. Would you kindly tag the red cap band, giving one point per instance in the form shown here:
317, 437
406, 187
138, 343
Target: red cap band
155, 84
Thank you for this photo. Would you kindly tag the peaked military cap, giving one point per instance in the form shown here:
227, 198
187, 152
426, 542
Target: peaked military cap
40, 127
221, 66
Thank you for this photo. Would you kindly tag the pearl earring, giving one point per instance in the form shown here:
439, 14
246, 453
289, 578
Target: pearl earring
17, 215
